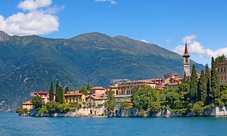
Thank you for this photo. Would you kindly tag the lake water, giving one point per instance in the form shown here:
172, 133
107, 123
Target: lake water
13, 125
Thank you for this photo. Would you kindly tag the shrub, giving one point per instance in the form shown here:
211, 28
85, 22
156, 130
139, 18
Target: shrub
72, 109
197, 108
142, 112
42, 110
212, 105
21, 111
207, 107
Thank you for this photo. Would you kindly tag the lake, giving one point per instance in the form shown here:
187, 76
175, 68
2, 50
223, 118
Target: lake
13, 125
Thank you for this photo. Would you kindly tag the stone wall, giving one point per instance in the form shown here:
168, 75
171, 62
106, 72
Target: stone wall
216, 111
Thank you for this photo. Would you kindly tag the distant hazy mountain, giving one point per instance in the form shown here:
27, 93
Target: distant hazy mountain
30, 63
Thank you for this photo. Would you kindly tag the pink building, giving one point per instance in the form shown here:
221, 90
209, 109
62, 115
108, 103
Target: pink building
43, 95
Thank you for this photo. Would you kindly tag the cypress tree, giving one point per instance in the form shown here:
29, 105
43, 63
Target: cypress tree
185, 79
61, 96
208, 88
215, 85
66, 89
57, 92
193, 84
51, 92
202, 87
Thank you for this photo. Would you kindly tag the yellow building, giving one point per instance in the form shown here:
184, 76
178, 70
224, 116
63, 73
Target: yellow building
222, 71
75, 97
112, 88
27, 105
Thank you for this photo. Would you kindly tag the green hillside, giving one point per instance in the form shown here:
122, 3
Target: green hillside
19, 85
88, 58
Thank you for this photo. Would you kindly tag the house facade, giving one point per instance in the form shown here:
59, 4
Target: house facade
222, 71
75, 97
27, 105
43, 95
95, 100
172, 80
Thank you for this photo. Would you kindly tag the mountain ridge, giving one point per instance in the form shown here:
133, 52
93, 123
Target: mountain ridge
93, 58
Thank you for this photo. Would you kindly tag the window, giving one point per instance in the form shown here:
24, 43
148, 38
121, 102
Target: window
186, 60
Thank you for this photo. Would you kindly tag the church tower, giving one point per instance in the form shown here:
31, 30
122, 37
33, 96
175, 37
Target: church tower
186, 60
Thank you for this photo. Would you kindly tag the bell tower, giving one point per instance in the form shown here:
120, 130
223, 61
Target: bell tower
186, 60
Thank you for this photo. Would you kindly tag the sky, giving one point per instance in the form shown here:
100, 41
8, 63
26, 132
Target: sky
167, 23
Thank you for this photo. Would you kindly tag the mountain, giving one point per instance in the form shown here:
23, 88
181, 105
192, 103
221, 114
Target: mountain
30, 63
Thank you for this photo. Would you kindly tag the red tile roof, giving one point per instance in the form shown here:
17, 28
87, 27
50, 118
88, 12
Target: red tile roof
41, 93
29, 102
76, 93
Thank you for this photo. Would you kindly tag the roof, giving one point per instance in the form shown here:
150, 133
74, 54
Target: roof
98, 88
76, 93
222, 63
41, 93
186, 50
29, 102
97, 97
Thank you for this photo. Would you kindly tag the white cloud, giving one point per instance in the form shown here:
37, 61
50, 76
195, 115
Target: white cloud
111, 1
189, 38
196, 48
143, 40
34, 4
38, 18
167, 40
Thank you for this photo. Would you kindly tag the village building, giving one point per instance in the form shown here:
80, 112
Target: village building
97, 90
75, 97
95, 100
43, 95
222, 71
112, 88
27, 105
172, 80
125, 88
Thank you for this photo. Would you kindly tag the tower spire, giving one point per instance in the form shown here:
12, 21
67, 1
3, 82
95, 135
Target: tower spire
186, 60
186, 50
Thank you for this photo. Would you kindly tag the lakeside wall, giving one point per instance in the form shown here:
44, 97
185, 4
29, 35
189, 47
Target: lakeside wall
95, 112
216, 111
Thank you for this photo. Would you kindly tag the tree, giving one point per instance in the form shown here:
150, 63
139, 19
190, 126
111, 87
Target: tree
215, 85
51, 92
185, 79
110, 103
142, 97
220, 58
197, 108
83, 90
208, 88
37, 102
52, 107
125, 105
193, 83
202, 87
59, 95
21, 111
89, 86
66, 89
